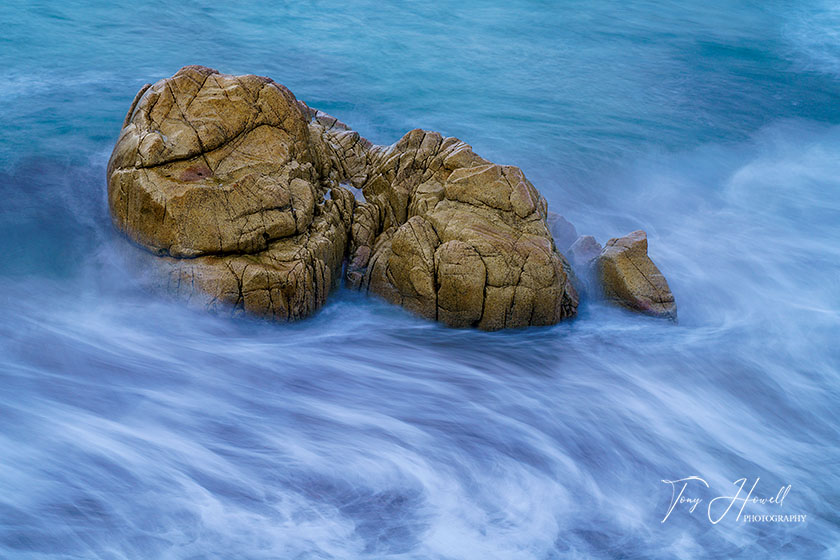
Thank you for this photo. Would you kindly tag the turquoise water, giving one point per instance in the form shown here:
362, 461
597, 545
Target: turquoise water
133, 427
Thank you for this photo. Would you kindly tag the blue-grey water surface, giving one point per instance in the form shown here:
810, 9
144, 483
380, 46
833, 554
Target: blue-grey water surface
135, 427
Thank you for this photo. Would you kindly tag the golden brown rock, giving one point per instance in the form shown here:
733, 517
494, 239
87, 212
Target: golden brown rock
288, 280
630, 279
212, 164
459, 239
237, 186
218, 175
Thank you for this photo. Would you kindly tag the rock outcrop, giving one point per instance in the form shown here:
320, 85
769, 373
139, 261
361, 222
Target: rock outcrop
216, 174
630, 279
457, 238
239, 188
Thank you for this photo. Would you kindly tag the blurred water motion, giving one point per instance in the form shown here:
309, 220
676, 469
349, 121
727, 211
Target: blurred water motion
135, 427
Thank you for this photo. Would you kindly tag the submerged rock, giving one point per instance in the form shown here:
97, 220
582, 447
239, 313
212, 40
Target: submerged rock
583, 254
563, 231
237, 186
630, 279
584, 250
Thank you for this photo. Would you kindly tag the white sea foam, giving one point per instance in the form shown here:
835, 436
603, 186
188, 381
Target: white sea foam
134, 427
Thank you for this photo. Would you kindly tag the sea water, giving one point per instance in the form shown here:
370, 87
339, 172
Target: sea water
135, 427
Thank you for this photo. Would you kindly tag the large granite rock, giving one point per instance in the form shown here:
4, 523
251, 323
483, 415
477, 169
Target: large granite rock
630, 279
456, 238
216, 174
239, 188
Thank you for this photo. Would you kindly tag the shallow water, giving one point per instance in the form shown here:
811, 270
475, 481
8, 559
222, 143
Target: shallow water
134, 427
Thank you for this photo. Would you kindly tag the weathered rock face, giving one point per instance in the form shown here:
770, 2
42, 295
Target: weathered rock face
456, 238
216, 174
629, 278
213, 164
226, 179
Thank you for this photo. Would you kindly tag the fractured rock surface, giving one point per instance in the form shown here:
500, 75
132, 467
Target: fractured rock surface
237, 186
215, 173
457, 238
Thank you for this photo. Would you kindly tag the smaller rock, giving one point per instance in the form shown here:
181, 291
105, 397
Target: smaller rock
562, 230
630, 279
583, 251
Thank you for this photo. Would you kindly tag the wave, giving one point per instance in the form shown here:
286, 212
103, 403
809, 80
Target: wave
136, 427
